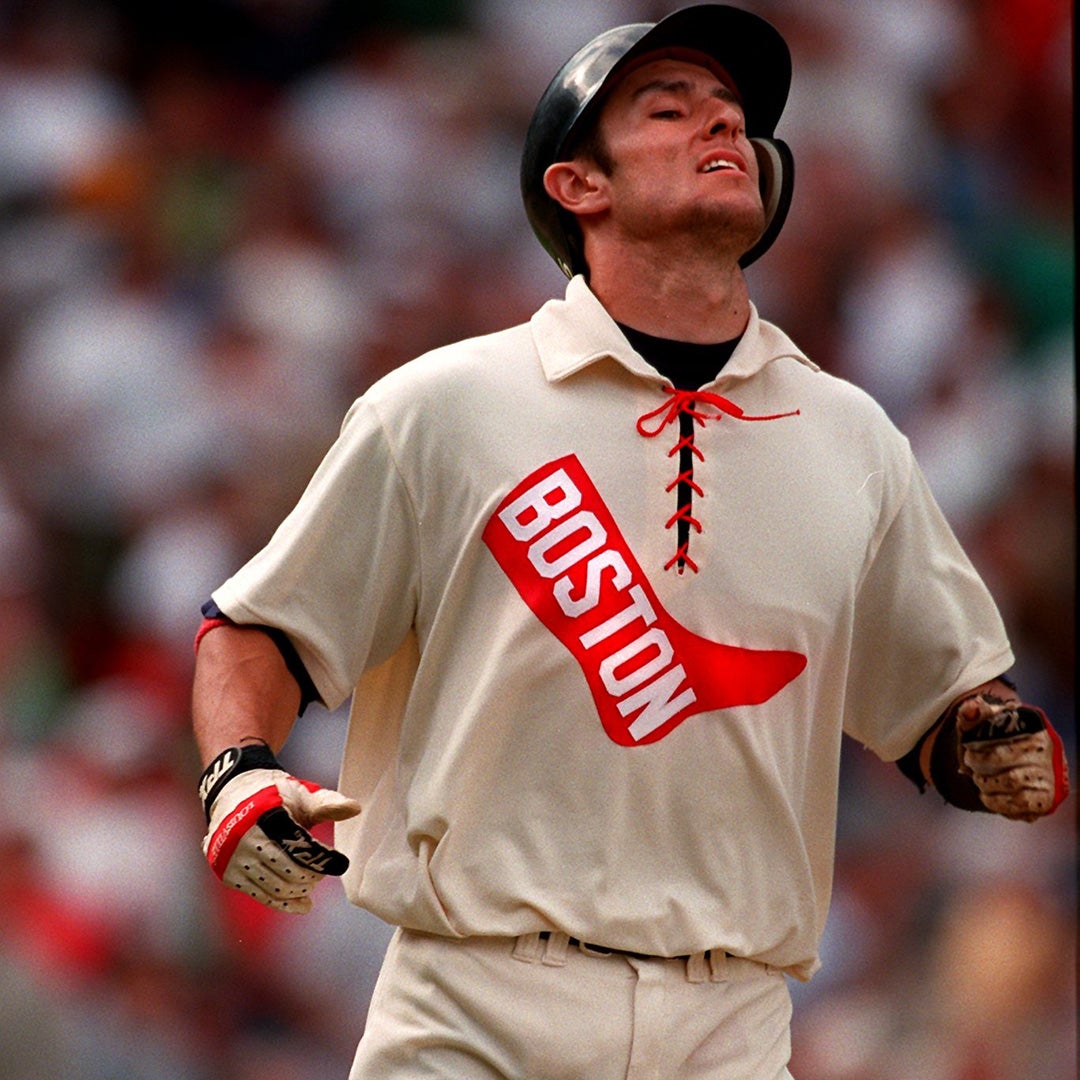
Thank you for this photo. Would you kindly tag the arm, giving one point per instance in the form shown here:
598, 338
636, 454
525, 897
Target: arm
989, 751
243, 691
244, 703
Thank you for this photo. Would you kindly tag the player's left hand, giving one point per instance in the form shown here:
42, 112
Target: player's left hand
1014, 756
258, 837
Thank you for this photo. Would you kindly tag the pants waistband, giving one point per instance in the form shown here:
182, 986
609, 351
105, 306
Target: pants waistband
550, 948
589, 949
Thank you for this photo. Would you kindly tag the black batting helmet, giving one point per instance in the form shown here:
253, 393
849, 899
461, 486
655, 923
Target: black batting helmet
750, 49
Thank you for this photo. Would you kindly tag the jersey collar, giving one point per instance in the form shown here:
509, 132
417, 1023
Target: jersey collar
575, 332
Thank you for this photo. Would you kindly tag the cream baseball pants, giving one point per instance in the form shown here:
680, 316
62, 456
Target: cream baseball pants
541, 1007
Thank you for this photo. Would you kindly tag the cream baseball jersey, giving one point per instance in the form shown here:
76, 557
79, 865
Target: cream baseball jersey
564, 716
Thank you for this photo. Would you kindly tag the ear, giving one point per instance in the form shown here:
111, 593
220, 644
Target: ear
577, 186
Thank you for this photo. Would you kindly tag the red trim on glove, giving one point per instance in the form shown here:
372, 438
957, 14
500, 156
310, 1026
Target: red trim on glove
1061, 771
230, 832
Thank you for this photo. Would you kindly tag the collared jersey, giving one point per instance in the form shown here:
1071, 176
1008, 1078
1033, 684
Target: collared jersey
555, 728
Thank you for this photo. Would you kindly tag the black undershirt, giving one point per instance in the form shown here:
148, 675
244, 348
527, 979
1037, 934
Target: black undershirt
687, 366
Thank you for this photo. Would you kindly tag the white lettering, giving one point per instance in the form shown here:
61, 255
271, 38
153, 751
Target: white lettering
609, 667
224, 762
227, 827
575, 606
532, 512
639, 607
583, 520
657, 702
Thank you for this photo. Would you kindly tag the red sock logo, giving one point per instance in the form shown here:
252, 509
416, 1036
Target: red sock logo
558, 544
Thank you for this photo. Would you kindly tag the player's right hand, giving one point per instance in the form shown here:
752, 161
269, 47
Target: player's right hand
258, 818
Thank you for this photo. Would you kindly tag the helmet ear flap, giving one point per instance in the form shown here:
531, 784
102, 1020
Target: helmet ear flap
776, 171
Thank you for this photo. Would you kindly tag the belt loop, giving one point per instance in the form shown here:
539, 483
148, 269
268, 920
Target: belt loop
707, 966
697, 967
718, 962
555, 952
527, 948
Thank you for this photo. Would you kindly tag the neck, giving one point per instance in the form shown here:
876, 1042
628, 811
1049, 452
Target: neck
679, 301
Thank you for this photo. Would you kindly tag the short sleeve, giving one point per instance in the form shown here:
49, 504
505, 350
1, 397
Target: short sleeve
340, 574
925, 628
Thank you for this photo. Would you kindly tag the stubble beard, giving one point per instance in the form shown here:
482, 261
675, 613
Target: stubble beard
717, 232
726, 230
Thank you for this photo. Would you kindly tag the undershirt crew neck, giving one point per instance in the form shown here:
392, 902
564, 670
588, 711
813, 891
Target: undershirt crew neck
687, 366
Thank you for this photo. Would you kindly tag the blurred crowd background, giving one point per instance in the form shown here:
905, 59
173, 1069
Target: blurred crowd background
221, 220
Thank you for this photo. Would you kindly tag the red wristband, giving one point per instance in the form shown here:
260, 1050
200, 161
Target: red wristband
206, 626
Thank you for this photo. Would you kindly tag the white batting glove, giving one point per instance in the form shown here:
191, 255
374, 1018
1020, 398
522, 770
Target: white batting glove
258, 819
1014, 756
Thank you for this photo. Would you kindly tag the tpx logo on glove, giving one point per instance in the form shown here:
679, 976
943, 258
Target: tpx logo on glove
297, 843
216, 771
559, 545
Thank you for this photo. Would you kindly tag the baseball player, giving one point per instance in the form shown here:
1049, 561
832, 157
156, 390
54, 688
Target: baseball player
606, 589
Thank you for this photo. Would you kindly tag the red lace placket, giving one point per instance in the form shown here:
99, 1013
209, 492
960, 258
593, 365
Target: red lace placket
687, 408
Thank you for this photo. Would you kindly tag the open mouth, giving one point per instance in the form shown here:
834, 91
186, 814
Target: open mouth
720, 165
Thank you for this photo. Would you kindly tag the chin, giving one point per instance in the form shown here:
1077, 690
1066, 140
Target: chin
732, 227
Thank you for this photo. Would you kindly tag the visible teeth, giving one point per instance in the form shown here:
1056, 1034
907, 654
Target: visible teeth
718, 164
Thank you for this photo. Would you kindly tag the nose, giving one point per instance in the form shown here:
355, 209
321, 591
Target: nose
722, 117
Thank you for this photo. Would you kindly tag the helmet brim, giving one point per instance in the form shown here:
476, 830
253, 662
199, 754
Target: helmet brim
747, 47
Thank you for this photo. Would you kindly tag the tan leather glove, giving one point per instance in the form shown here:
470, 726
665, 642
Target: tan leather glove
1014, 756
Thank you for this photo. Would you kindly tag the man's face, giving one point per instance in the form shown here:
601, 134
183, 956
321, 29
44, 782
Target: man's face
680, 160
